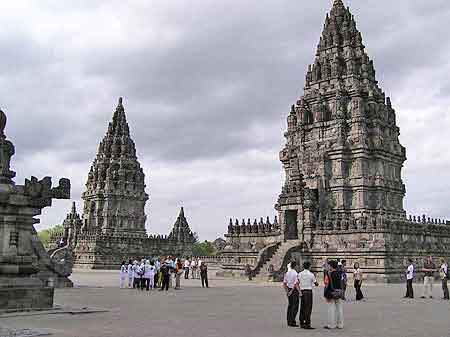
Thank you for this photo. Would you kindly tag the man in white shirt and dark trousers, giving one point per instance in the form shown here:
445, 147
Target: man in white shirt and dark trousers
306, 281
443, 271
290, 284
409, 280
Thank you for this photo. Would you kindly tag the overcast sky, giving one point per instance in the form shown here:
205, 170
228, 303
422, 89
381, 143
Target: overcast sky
207, 87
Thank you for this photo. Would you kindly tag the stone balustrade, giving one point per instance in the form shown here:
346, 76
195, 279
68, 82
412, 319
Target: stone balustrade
261, 227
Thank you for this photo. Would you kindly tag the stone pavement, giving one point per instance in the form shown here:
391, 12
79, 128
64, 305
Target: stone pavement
229, 308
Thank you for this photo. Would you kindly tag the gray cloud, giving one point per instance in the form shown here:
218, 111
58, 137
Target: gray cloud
207, 88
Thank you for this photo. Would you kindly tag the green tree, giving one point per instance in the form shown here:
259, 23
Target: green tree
46, 235
204, 248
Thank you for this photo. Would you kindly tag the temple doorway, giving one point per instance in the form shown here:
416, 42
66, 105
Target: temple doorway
291, 232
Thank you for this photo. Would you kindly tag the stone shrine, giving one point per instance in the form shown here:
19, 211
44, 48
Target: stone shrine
343, 193
20, 288
112, 227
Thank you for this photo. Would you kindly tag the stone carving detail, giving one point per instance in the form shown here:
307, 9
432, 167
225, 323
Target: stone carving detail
19, 263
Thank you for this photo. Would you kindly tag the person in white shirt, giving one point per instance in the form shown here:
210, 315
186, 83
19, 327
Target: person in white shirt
149, 275
357, 281
306, 282
187, 264
290, 284
409, 279
194, 268
130, 273
123, 274
136, 275
443, 272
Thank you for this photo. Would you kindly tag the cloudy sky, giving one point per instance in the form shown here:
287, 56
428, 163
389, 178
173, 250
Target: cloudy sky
207, 87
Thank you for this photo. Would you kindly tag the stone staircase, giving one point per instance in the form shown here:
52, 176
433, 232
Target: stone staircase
276, 260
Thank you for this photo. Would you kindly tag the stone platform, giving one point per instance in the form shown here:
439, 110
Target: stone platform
229, 308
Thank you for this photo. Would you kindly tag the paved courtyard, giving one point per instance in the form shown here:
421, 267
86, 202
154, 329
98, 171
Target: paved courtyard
228, 308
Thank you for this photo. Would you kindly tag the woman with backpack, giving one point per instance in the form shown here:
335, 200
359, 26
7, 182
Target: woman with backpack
333, 294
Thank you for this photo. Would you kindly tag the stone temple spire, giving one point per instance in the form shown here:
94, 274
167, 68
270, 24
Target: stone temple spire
115, 195
181, 230
342, 138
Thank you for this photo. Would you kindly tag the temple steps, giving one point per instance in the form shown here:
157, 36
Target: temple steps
276, 260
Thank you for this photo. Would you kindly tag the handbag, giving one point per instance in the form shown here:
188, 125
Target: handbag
336, 294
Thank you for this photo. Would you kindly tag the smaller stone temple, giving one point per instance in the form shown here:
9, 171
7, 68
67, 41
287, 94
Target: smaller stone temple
21, 261
112, 226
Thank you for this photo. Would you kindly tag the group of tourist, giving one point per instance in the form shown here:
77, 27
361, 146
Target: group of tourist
158, 273
429, 269
298, 287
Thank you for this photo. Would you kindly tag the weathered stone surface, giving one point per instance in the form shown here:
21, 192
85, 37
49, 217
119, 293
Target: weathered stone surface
19, 261
343, 193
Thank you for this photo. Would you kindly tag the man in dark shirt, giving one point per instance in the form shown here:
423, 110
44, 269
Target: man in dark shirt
204, 274
429, 268
165, 270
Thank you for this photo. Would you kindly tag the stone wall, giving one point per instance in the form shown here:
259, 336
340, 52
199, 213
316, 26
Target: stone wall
108, 251
382, 252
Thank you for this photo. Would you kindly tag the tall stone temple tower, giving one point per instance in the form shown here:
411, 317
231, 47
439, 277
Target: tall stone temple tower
115, 196
342, 138
112, 228
343, 191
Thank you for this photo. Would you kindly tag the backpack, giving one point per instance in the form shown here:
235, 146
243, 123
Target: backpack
336, 294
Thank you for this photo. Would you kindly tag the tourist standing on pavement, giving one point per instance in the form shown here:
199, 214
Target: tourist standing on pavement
150, 274
409, 279
165, 274
199, 263
136, 275
357, 281
130, 273
428, 268
333, 297
157, 282
204, 274
178, 272
171, 265
343, 270
123, 274
290, 284
306, 281
194, 268
325, 267
187, 264
443, 272
142, 274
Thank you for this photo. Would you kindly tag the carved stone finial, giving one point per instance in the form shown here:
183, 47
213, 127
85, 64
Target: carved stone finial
3, 120
6, 152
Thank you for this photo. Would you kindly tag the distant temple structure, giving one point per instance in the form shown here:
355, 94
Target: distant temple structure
112, 227
343, 193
